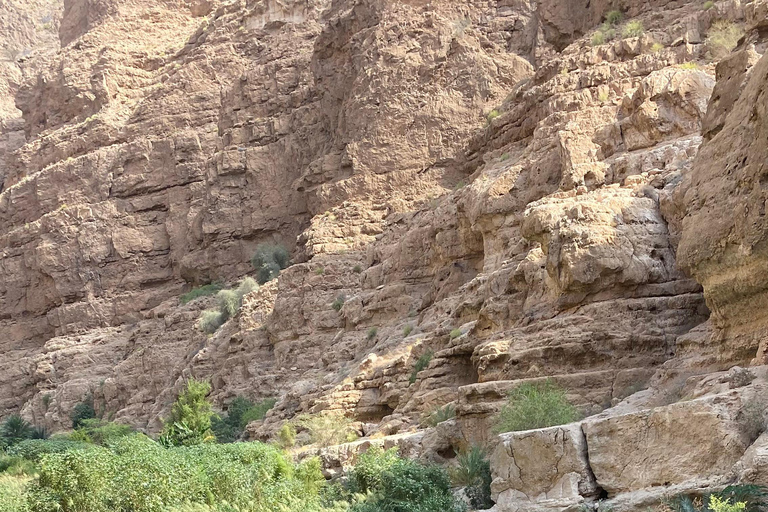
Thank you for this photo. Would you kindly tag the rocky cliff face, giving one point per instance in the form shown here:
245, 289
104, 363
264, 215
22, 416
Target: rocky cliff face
497, 183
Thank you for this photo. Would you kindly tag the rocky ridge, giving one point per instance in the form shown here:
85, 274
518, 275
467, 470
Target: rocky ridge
476, 180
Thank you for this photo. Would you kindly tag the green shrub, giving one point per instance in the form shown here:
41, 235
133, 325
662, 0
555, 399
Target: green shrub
327, 429
493, 114
614, 17
439, 415
229, 303
104, 432
657, 47
269, 260
190, 419
408, 486
210, 321
603, 95
632, 29
13, 494
241, 411
688, 65
370, 467
407, 330
474, 474
421, 363
734, 498
455, 333
722, 38
338, 303
34, 449
535, 405
16, 466
82, 411
372, 332
286, 436
357, 269
598, 38
708, 5
201, 291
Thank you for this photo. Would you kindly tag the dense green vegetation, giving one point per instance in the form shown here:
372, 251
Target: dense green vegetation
535, 405
230, 426
103, 466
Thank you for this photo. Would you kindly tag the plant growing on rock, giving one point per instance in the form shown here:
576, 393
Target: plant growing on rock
439, 415
407, 330
372, 332
229, 303
338, 303
455, 333
229, 427
269, 260
632, 29
474, 475
708, 5
421, 363
190, 419
327, 429
535, 405
722, 38
200, 291
734, 498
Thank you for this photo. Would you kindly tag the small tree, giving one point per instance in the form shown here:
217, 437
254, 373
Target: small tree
190, 420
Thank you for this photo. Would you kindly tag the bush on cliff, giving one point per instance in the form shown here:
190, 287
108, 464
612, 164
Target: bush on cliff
535, 405
269, 260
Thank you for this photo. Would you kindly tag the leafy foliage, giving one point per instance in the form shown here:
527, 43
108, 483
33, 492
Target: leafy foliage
229, 303
269, 260
241, 411
753, 497
614, 17
372, 332
371, 465
12, 494
455, 333
535, 405
722, 38
82, 411
200, 291
408, 486
474, 474
439, 415
286, 436
102, 432
421, 363
251, 477
35, 449
190, 420
14, 430
327, 429
633, 28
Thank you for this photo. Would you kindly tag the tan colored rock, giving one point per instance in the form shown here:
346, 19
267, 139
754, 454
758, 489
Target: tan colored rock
546, 469
644, 449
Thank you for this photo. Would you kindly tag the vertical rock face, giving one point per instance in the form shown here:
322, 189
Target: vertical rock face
723, 231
